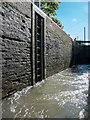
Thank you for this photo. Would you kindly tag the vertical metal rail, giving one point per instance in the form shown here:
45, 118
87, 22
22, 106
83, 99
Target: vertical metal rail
36, 21
42, 48
32, 44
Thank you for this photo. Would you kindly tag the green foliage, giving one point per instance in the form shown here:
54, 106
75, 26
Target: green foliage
69, 34
57, 22
49, 7
83, 44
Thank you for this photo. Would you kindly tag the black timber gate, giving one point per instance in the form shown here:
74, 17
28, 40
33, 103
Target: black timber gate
39, 48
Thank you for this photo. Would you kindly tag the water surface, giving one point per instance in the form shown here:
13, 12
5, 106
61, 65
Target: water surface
63, 95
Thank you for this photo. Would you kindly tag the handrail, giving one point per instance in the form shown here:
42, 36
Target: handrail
83, 41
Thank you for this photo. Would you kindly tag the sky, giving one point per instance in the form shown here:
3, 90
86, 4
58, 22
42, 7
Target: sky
74, 17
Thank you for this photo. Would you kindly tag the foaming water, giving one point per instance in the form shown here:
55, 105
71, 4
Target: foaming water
63, 95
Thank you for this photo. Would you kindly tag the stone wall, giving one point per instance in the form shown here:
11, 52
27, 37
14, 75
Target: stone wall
17, 44
58, 48
16, 49
75, 52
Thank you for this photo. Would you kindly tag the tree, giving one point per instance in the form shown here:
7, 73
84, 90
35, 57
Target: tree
48, 7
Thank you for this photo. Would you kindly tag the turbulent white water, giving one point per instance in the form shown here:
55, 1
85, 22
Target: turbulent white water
63, 95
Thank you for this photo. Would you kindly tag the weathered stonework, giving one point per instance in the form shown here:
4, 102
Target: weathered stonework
58, 49
16, 50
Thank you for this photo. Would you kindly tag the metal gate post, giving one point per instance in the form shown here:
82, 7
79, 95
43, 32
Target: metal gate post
33, 43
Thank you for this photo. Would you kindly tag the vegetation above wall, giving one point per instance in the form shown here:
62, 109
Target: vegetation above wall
57, 22
49, 8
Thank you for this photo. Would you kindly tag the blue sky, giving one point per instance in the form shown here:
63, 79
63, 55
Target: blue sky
74, 17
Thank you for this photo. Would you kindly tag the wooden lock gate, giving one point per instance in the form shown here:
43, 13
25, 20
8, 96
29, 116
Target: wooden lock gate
39, 48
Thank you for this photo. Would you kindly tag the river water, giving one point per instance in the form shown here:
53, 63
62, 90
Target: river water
63, 95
